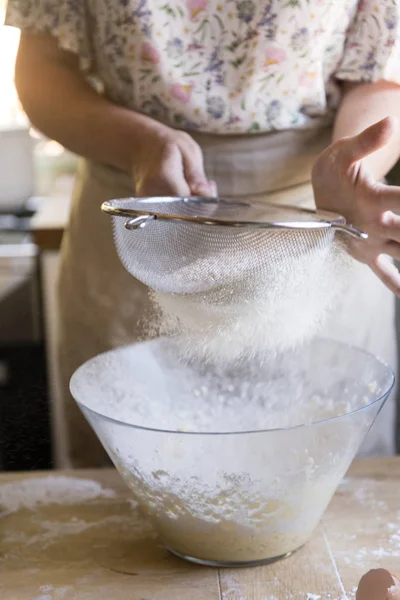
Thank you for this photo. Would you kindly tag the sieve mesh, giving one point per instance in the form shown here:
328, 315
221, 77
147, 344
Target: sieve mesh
190, 258
233, 281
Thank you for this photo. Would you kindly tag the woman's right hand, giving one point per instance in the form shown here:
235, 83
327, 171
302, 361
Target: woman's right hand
163, 161
168, 162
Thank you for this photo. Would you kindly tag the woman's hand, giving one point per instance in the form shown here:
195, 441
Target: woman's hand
342, 184
163, 161
168, 162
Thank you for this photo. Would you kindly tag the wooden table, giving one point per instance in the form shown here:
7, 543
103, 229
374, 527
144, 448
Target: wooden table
102, 549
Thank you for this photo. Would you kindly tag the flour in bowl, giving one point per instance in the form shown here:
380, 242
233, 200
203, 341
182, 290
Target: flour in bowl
227, 517
178, 431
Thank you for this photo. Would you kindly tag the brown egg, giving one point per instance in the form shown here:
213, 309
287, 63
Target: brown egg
375, 585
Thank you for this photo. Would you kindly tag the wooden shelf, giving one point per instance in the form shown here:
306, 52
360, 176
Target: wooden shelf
50, 221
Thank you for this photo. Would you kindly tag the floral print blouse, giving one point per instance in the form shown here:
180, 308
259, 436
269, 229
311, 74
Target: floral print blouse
224, 66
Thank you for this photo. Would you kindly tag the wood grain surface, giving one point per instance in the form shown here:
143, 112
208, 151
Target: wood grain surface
102, 549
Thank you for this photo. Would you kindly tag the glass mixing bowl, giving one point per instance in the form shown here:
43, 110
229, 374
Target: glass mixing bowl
235, 467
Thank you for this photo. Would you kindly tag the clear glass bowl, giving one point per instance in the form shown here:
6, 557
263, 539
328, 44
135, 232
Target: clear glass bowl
234, 467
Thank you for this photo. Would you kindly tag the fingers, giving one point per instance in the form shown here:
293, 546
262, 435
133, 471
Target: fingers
378, 258
207, 189
381, 227
370, 140
387, 273
193, 165
168, 177
177, 170
392, 249
214, 188
387, 197
377, 251
376, 209
388, 227
172, 171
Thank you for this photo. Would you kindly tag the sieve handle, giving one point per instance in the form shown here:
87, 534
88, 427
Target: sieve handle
138, 222
351, 231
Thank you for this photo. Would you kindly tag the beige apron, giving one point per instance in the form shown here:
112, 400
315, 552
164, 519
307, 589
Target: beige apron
101, 304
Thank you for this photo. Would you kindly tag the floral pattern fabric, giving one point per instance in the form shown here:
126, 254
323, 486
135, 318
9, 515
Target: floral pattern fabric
224, 66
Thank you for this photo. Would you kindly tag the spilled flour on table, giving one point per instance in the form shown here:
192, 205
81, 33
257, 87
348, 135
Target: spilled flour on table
48, 592
58, 499
391, 549
53, 530
306, 596
366, 497
42, 491
387, 541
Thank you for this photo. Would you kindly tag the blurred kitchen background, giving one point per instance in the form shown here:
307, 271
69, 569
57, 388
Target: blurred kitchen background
36, 180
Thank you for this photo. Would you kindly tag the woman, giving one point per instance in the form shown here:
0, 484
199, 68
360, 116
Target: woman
245, 95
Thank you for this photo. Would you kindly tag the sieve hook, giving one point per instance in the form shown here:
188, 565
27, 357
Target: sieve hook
351, 230
138, 222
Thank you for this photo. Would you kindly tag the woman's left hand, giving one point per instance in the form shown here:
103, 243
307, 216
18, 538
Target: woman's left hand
343, 185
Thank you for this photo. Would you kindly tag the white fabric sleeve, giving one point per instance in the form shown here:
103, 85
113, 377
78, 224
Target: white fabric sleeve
66, 20
372, 49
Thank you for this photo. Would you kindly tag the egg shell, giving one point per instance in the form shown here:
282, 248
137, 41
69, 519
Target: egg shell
375, 584
394, 592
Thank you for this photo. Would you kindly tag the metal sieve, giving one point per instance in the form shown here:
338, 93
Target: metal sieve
199, 245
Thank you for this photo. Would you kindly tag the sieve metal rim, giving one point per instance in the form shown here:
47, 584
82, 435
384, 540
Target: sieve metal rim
139, 218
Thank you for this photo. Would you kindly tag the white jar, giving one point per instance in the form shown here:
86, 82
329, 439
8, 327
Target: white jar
17, 182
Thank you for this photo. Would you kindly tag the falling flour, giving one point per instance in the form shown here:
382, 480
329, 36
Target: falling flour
258, 316
148, 385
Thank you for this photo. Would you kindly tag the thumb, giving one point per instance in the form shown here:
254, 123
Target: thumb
368, 141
